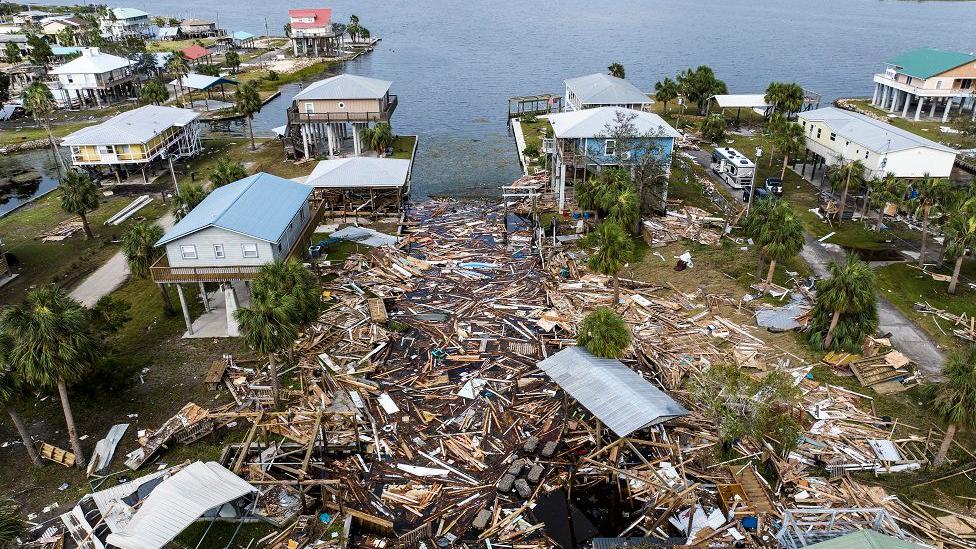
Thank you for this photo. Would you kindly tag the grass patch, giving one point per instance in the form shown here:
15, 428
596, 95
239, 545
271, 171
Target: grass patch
177, 45
260, 78
403, 146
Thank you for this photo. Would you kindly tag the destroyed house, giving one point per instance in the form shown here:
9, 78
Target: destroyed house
619, 397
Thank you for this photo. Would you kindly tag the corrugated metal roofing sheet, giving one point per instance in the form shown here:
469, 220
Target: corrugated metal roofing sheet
594, 123
92, 61
623, 400
346, 86
135, 126
603, 89
202, 81
178, 501
260, 206
928, 62
359, 171
742, 100
869, 132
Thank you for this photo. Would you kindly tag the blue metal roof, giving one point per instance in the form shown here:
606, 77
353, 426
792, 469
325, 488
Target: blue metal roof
242, 35
64, 50
260, 206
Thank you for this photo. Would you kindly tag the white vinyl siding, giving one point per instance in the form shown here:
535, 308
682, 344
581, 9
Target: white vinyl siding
206, 242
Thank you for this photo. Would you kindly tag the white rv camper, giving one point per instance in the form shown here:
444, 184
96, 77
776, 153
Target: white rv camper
733, 167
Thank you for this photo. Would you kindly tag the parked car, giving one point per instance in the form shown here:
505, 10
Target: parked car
760, 194
775, 186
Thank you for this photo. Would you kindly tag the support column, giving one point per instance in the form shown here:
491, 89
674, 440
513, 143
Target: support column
230, 304
203, 297
918, 109
562, 187
186, 311
356, 146
330, 130
945, 114
305, 140
908, 101
874, 98
895, 92
932, 108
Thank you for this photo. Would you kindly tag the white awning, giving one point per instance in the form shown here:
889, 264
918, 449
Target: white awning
742, 100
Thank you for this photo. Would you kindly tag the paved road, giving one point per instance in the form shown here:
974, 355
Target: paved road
109, 276
905, 335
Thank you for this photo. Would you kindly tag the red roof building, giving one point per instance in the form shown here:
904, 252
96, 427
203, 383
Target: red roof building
195, 51
317, 18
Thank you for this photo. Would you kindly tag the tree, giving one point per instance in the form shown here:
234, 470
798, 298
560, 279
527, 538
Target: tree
960, 235
616, 70
39, 101
287, 29
12, 525
178, 66
604, 333
888, 189
954, 400
248, 104
233, 60
4, 86
364, 33
847, 298
291, 278
154, 92
79, 196
52, 347
146, 64
379, 137
10, 391
353, 27
12, 52
666, 90
700, 85
209, 70
781, 236
842, 176
268, 327
65, 37
190, 195
929, 192
713, 127
40, 52
226, 171
790, 141
753, 225
613, 249
140, 251
785, 98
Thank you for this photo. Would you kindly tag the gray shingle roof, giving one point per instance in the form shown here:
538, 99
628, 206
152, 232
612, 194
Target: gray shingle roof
260, 206
623, 400
603, 89
135, 126
346, 86
869, 132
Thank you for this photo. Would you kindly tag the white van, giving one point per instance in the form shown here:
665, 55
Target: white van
733, 167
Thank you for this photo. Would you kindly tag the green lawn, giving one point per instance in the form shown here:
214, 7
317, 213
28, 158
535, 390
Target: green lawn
533, 132
403, 146
177, 45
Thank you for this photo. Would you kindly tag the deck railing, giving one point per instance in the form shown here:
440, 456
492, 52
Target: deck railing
296, 117
162, 272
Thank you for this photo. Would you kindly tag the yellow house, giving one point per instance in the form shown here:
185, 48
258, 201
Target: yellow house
141, 138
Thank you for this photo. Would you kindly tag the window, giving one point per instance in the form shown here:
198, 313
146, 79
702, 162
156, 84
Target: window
106, 149
938, 84
833, 136
250, 250
865, 155
189, 252
818, 133
310, 108
610, 147
341, 105
219, 251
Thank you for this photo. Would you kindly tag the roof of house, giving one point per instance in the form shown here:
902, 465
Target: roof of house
92, 61
596, 122
321, 17
60, 51
167, 32
177, 502
64, 20
202, 82
128, 13
260, 206
928, 62
868, 132
346, 86
15, 38
135, 126
242, 35
195, 51
33, 13
742, 100
196, 23
603, 89
865, 539
623, 400
359, 171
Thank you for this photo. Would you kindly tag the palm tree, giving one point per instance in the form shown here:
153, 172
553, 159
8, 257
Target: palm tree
781, 236
713, 127
12, 525
700, 85
960, 236
178, 66
190, 195
774, 127
248, 104
9, 392
12, 52
929, 193
955, 398
140, 251
616, 69
887, 190
380, 137
790, 141
79, 196
784, 98
666, 90
268, 328
753, 225
850, 290
154, 92
604, 333
624, 209
39, 101
52, 347
847, 173
291, 278
613, 249
233, 60
226, 171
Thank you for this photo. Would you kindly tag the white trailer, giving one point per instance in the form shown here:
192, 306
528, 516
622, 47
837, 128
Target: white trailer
733, 167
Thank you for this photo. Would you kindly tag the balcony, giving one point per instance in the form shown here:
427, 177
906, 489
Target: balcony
887, 80
296, 117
